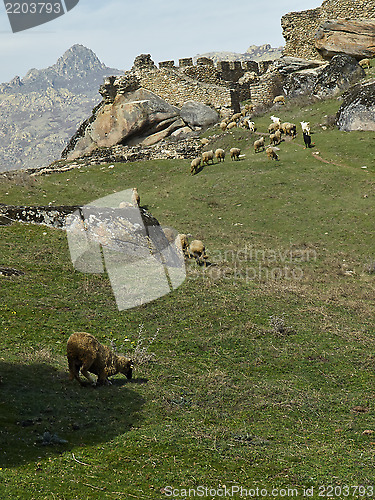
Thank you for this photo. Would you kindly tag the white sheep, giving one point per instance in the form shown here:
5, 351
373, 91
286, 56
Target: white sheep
194, 165
259, 144
86, 354
305, 127
235, 153
136, 199
207, 156
276, 119
220, 154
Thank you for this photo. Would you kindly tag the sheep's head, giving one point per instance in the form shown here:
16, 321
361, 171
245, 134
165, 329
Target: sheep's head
125, 366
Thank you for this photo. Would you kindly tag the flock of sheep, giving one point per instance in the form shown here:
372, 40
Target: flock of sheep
275, 130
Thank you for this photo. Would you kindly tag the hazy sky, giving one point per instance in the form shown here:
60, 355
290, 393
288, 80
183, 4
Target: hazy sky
119, 30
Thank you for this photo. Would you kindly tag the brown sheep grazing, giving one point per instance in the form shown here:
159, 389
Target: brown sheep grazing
365, 63
87, 354
136, 199
197, 251
195, 164
279, 99
182, 243
220, 154
289, 129
207, 156
236, 117
273, 127
235, 153
274, 139
259, 144
231, 125
271, 153
223, 126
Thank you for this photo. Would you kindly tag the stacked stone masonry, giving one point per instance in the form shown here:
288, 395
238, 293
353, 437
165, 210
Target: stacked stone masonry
299, 28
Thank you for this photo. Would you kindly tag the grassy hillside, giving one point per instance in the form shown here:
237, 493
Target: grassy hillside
263, 367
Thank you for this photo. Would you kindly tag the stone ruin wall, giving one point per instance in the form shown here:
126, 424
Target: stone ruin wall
299, 28
216, 86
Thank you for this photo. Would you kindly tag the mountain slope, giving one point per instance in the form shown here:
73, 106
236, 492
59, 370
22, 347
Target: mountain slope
40, 112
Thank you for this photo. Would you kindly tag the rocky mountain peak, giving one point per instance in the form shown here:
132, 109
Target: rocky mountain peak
78, 60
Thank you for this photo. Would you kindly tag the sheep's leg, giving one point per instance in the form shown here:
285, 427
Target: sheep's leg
103, 380
84, 370
74, 370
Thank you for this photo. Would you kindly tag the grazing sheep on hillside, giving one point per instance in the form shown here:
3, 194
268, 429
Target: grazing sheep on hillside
223, 126
259, 144
87, 354
271, 153
305, 127
289, 129
220, 154
194, 165
136, 199
246, 123
279, 99
365, 63
205, 141
234, 153
274, 139
236, 117
231, 125
273, 127
182, 243
197, 251
277, 134
207, 156
276, 119
249, 107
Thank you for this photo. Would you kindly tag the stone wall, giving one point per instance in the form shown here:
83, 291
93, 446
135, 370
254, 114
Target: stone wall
299, 28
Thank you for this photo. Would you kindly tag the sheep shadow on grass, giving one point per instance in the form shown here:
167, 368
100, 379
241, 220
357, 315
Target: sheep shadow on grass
39, 400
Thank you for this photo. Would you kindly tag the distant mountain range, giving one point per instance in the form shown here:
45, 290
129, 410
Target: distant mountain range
40, 112
253, 53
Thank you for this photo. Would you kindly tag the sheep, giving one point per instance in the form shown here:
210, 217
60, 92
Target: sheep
197, 251
273, 127
86, 353
182, 243
248, 124
236, 117
305, 127
365, 63
231, 125
259, 144
194, 165
276, 119
205, 141
271, 153
274, 139
277, 134
136, 199
223, 126
234, 153
207, 156
289, 129
249, 107
220, 154
279, 99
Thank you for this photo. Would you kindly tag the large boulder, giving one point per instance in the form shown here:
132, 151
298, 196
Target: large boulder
302, 82
197, 114
287, 65
344, 36
357, 111
342, 72
136, 117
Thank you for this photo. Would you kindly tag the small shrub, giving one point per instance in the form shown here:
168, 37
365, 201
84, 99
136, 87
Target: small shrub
277, 323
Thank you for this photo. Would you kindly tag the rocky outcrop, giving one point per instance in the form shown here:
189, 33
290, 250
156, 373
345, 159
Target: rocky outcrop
342, 72
253, 53
197, 114
299, 28
302, 82
343, 36
357, 111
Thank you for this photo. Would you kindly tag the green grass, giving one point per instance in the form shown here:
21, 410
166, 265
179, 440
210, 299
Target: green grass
229, 398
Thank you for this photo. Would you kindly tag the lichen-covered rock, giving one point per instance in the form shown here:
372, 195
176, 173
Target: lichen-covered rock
354, 37
357, 111
302, 82
339, 75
